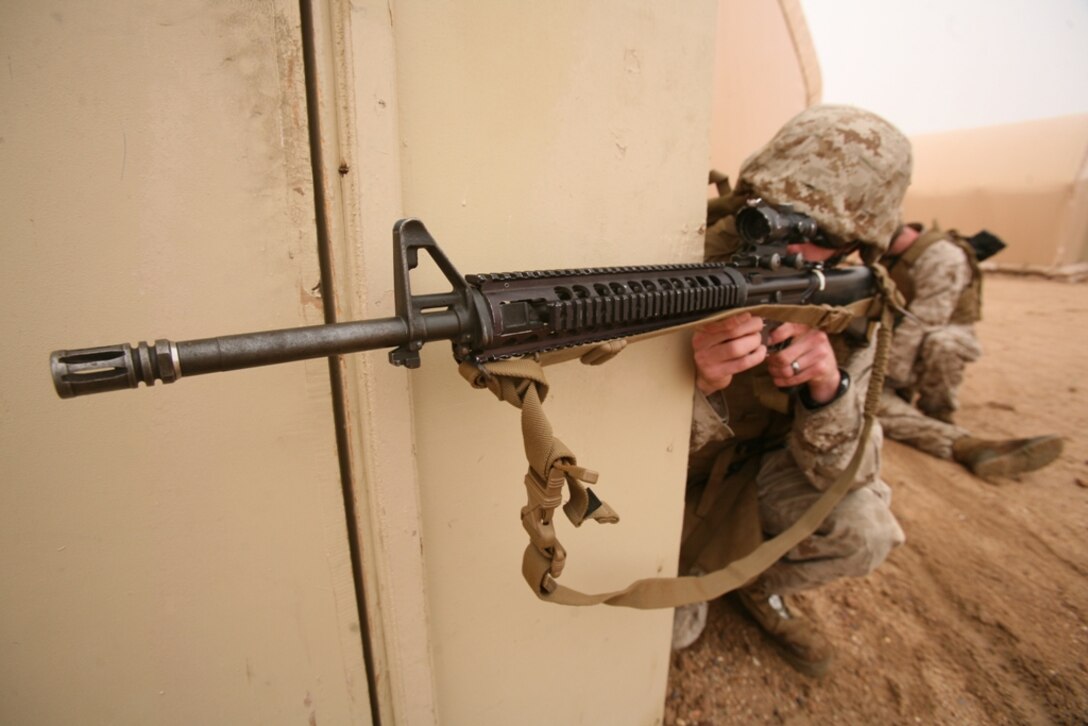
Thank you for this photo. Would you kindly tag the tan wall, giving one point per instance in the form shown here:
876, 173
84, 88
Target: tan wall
535, 136
520, 149
174, 555
1024, 182
179, 555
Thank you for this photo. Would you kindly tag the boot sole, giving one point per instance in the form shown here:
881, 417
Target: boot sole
1033, 455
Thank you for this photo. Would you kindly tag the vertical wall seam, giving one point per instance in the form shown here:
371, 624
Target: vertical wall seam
803, 47
336, 370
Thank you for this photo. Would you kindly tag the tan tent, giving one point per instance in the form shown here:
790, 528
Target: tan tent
1027, 183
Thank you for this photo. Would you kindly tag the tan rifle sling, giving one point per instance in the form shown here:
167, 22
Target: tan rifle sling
552, 466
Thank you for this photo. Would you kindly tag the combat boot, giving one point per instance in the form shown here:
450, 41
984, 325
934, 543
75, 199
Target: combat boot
1006, 457
798, 638
688, 623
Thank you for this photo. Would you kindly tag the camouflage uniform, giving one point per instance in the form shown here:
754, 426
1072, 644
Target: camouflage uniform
848, 169
939, 276
861, 530
904, 422
932, 345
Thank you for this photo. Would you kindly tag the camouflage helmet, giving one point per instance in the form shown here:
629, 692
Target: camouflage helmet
845, 167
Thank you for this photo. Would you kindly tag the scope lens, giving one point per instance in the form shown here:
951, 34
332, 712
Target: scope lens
753, 225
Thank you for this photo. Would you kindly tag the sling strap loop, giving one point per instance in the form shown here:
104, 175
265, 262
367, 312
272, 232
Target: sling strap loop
521, 383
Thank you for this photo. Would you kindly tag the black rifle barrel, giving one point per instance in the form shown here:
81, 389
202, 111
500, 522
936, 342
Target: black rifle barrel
115, 367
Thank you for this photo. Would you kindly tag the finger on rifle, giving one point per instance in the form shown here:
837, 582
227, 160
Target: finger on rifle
719, 331
799, 344
730, 356
786, 331
814, 357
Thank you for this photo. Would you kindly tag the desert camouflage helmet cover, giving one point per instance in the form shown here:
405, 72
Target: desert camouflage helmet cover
845, 167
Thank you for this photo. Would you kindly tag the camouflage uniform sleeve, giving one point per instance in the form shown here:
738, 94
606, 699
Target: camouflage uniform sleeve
823, 441
940, 276
709, 430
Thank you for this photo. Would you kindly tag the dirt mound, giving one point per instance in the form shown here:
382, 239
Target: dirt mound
982, 617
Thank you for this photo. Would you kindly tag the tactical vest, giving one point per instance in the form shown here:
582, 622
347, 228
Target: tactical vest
969, 307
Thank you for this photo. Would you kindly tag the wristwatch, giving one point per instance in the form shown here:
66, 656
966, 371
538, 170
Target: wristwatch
806, 397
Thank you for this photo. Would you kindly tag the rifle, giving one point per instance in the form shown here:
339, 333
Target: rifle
486, 317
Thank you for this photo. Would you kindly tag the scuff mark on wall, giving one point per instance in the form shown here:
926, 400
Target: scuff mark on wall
312, 297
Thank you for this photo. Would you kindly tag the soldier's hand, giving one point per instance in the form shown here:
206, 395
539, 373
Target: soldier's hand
726, 348
808, 359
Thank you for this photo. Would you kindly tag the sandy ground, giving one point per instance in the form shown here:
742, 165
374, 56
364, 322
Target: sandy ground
982, 617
